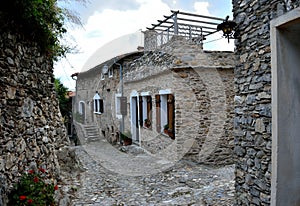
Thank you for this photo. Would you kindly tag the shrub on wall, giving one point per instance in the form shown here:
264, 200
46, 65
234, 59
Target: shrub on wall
34, 188
40, 20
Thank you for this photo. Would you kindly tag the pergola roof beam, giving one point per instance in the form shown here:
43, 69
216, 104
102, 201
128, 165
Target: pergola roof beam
193, 20
197, 15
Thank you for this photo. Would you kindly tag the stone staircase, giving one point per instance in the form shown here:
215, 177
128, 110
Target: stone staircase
91, 133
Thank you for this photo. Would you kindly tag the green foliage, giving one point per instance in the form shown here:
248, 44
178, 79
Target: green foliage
126, 135
166, 126
40, 20
61, 92
34, 188
147, 123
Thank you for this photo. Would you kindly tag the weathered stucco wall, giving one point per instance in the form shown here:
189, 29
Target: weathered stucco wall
31, 128
253, 98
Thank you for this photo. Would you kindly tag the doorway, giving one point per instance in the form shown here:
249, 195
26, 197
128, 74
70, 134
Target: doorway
285, 50
134, 107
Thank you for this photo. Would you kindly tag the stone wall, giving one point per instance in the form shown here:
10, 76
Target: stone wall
252, 121
31, 128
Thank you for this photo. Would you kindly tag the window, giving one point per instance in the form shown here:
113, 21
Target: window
147, 110
102, 76
98, 104
157, 108
165, 113
110, 72
81, 107
118, 106
141, 111
121, 106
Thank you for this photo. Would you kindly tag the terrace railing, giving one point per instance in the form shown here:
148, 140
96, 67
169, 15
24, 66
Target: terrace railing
191, 26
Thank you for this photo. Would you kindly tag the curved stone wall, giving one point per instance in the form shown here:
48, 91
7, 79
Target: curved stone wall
31, 128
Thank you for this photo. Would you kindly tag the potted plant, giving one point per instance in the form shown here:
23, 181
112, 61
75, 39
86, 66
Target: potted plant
126, 138
147, 123
166, 129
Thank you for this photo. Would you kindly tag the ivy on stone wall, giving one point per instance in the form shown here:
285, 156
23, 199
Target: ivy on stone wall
39, 20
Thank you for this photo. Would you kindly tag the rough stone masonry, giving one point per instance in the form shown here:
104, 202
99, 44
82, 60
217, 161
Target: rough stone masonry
31, 128
253, 116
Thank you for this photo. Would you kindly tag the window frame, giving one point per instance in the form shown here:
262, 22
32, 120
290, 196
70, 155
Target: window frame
165, 112
110, 72
118, 105
102, 76
98, 104
146, 107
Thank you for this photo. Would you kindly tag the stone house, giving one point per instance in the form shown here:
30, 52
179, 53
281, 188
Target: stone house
175, 84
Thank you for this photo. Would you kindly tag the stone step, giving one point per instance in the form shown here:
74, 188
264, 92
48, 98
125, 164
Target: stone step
92, 132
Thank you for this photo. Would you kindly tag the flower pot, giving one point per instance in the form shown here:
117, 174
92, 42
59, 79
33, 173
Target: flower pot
127, 141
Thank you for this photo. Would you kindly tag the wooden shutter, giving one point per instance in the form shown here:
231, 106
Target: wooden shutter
96, 103
157, 105
171, 115
101, 105
141, 111
149, 108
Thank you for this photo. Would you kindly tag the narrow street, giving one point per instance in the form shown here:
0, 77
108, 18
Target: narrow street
134, 177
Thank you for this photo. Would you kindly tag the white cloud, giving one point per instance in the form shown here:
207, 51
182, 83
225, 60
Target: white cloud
202, 8
109, 24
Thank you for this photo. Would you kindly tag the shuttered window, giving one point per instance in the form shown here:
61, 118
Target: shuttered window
165, 114
158, 113
171, 115
101, 109
141, 111
147, 111
149, 107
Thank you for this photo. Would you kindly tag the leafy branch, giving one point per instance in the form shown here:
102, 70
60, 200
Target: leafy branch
39, 20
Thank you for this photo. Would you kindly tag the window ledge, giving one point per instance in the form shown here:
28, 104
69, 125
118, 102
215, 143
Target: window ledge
164, 134
149, 128
97, 113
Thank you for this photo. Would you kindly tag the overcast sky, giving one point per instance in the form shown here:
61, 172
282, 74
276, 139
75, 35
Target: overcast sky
106, 20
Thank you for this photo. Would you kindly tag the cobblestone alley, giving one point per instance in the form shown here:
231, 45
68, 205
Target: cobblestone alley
134, 177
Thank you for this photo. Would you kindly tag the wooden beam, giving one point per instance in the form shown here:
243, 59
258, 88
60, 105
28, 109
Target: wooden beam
197, 15
203, 27
182, 32
203, 22
160, 22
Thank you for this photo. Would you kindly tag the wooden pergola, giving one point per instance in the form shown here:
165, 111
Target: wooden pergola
192, 26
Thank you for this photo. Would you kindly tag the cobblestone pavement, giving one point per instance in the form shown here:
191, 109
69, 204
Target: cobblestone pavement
133, 177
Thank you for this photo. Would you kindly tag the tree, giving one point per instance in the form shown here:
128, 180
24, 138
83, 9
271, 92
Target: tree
63, 100
42, 21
